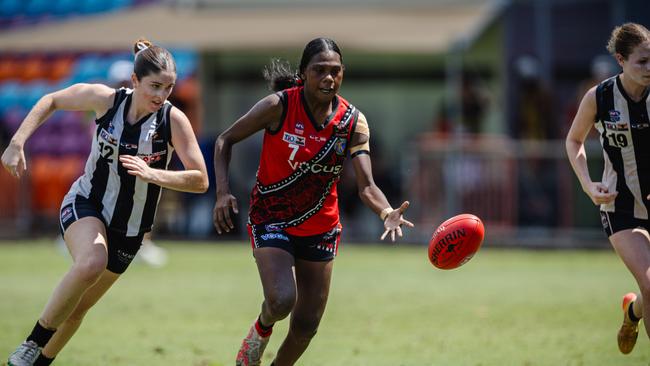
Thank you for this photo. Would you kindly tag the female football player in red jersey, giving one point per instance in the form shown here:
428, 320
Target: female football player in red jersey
294, 220
618, 109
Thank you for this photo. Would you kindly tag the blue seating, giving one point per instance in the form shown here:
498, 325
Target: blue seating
34, 8
26, 12
32, 92
93, 6
65, 7
11, 8
186, 62
120, 4
10, 95
89, 68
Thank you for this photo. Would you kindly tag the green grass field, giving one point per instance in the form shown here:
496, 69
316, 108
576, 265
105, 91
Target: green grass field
388, 306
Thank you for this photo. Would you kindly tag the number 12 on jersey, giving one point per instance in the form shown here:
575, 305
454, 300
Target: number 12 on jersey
106, 151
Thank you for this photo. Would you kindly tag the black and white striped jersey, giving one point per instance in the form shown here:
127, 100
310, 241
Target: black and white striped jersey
128, 204
624, 130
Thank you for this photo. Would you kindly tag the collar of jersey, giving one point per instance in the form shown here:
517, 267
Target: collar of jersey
619, 83
127, 105
335, 106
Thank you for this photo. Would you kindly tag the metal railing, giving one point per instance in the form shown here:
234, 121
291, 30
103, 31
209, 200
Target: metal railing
524, 191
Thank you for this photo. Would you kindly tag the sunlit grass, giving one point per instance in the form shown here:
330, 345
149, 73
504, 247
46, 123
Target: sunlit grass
388, 306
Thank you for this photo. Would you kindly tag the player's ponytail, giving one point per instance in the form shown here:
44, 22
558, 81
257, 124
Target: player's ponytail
626, 37
151, 59
140, 45
280, 75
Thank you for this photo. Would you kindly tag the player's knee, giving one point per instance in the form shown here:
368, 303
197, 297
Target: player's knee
89, 269
280, 304
304, 328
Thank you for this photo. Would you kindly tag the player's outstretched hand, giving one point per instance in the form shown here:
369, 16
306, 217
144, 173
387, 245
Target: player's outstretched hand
394, 221
13, 159
221, 212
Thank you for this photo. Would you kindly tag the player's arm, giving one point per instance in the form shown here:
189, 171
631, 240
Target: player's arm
369, 192
265, 114
78, 97
194, 178
575, 147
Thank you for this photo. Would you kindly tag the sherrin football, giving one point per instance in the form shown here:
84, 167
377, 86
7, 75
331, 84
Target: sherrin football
456, 241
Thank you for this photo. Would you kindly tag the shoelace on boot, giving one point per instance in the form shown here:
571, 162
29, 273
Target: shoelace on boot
30, 351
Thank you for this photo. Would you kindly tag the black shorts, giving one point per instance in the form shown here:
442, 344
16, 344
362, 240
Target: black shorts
121, 248
614, 222
316, 248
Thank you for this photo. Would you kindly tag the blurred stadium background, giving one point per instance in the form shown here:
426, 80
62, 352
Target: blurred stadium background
468, 101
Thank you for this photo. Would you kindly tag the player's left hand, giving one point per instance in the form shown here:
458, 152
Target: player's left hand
136, 166
394, 221
13, 159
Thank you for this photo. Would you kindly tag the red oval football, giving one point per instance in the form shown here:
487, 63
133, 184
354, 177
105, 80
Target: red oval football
456, 241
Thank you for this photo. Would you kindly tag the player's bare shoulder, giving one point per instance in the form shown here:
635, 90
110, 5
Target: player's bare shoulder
84, 97
103, 97
587, 109
97, 92
177, 116
269, 111
589, 100
272, 104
